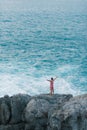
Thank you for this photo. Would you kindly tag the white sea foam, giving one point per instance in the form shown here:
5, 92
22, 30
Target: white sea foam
8, 85
11, 85
64, 87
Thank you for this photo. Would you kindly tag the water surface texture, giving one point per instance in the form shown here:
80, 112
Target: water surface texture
38, 45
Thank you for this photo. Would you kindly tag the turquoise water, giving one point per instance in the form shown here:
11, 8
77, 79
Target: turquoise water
35, 46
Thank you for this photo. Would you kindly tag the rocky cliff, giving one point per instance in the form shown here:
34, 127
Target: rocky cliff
43, 112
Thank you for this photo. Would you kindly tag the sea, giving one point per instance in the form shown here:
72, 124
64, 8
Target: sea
38, 45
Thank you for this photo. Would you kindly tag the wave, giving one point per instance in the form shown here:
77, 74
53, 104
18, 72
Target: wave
14, 84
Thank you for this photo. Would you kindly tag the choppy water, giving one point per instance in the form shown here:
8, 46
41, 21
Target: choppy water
35, 46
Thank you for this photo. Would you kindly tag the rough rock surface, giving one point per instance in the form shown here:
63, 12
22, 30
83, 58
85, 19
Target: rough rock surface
37, 110
11, 109
72, 116
43, 112
18, 103
20, 126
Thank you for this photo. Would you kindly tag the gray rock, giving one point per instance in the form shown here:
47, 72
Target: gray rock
5, 113
11, 108
18, 103
5, 110
72, 115
20, 126
36, 112
43, 112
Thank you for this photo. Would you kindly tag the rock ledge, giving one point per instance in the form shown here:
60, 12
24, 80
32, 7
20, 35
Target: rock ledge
43, 112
